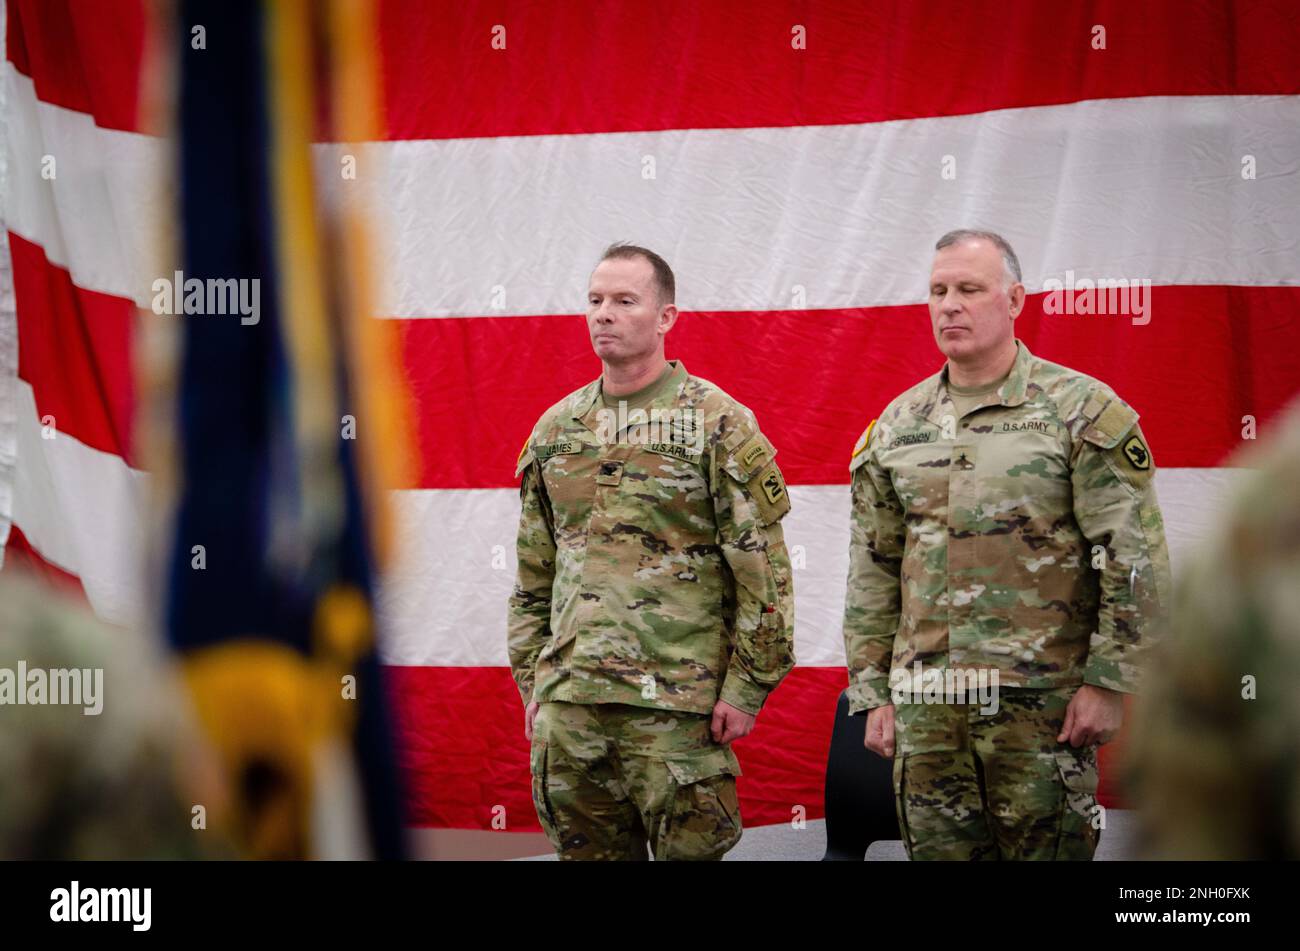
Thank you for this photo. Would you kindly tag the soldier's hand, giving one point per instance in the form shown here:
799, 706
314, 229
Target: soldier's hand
1094, 715
729, 723
530, 714
880, 731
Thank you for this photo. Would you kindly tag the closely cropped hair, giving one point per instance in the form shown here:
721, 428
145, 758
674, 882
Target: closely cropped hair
664, 280
1002, 244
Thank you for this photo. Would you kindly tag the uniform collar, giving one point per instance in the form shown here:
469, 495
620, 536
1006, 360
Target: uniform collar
933, 403
588, 404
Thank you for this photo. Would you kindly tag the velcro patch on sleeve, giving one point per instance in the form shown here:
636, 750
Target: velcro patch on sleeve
1111, 425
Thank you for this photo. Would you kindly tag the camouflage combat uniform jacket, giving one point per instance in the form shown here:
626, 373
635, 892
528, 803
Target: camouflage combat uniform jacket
652, 563
1023, 537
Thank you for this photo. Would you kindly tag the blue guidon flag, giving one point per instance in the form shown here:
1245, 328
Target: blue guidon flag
272, 549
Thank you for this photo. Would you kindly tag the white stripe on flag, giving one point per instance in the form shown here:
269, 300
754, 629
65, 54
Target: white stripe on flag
84, 511
445, 605
1116, 188
1146, 189
102, 213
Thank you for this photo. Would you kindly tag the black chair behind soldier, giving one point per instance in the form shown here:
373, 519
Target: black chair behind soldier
859, 791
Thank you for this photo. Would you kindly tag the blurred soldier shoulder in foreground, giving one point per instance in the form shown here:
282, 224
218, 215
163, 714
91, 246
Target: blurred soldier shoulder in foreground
1215, 760
96, 750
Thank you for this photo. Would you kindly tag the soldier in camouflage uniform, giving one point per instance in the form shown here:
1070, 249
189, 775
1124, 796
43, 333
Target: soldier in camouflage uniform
119, 783
1006, 527
1215, 751
653, 609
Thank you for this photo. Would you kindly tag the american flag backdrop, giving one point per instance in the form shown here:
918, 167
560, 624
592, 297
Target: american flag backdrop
795, 163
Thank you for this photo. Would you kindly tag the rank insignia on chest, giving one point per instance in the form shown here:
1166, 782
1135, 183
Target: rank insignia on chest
610, 473
682, 429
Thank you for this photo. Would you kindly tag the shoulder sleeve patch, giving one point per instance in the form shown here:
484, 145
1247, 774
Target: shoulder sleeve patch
751, 463
770, 494
860, 448
1130, 459
1136, 453
525, 456
1111, 425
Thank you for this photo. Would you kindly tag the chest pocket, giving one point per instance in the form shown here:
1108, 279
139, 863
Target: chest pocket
919, 463
662, 484
569, 468
1021, 474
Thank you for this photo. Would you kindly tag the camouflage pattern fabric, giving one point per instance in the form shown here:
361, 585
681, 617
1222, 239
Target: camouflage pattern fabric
652, 564
1024, 536
119, 783
973, 786
610, 780
1214, 756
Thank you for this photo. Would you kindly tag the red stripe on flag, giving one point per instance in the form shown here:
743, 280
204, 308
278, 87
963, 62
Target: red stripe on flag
20, 556
597, 67
1209, 356
74, 348
82, 56
602, 67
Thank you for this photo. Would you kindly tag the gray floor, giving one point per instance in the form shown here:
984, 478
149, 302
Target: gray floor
784, 844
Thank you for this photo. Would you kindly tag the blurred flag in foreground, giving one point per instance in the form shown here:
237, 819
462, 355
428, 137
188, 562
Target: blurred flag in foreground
277, 523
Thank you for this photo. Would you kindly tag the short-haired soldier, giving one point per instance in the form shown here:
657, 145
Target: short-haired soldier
653, 609
1004, 533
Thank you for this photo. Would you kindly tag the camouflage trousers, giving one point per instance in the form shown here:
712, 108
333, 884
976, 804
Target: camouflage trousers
973, 786
610, 780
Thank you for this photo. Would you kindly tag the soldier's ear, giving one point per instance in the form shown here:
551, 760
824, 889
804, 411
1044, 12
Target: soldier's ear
667, 317
1017, 295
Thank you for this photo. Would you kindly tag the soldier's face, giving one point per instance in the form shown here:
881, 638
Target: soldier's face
971, 305
624, 317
